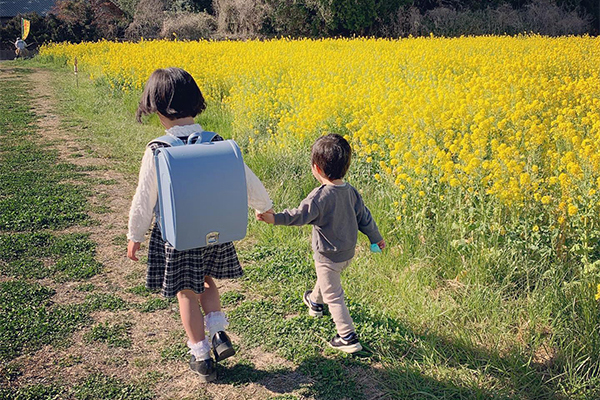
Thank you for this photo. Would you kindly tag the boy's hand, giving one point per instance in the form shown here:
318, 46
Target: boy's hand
132, 248
381, 244
267, 216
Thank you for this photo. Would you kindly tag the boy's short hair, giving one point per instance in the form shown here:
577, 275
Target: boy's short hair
332, 153
173, 93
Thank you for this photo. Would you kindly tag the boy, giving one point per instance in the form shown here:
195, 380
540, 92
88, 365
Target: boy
337, 212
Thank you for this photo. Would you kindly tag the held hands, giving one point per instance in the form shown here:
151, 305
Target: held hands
132, 248
267, 216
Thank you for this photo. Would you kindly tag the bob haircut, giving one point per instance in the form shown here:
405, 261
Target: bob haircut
173, 93
332, 153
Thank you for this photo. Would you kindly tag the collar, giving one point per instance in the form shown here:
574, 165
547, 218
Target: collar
184, 130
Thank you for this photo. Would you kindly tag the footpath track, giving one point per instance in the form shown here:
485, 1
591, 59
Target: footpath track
130, 343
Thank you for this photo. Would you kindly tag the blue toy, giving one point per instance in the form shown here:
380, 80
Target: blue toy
202, 197
375, 248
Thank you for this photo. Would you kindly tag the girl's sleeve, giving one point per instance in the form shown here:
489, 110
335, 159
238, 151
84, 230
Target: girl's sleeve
144, 200
258, 198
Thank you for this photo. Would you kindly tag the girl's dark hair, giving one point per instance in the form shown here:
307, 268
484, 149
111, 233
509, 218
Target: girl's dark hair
173, 93
332, 153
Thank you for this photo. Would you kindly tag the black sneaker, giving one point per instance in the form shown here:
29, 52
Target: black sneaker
222, 346
314, 309
204, 368
348, 344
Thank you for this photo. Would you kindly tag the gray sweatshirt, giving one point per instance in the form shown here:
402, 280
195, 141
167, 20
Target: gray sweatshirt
337, 213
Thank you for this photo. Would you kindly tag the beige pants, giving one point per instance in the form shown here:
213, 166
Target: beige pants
328, 290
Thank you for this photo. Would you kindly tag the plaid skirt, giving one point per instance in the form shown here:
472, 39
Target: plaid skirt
171, 271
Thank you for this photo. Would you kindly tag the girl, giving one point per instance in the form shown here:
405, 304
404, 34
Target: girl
173, 94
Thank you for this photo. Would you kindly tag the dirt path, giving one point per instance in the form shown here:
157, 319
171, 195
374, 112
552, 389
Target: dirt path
151, 332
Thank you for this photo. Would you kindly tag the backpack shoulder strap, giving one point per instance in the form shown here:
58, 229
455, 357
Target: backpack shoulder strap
168, 140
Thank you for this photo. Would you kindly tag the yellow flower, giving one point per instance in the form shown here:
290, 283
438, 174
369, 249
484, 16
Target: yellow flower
572, 210
546, 199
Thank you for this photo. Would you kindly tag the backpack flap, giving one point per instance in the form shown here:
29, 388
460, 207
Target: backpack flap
202, 194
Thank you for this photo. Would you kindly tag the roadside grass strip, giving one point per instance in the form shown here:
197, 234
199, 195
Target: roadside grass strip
39, 196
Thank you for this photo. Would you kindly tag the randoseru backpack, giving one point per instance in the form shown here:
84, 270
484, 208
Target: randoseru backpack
202, 194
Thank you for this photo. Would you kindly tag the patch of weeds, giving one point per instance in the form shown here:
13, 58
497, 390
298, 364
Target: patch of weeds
75, 155
75, 267
100, 209
231, 298
135, 276
34, 187
32, 392
105, 301
285, 397
295, 338
26, 268
102, 181
10, 372
153, 377
140, 290
116, 335
141, 362
154, 304
284, 268
178, 351
99, 386
120, 240
70, 361
86, 287
331, 379
29, 319
73, 255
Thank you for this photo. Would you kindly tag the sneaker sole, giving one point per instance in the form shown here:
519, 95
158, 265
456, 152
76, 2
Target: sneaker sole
311, 312
351, 348
223, 351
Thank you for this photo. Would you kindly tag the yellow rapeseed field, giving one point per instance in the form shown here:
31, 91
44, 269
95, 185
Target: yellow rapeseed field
512, 119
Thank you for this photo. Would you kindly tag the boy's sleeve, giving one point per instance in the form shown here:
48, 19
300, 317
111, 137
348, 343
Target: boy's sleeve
306, 213
366, 223
258, 198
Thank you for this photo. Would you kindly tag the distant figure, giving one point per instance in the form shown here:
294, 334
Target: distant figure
20, 48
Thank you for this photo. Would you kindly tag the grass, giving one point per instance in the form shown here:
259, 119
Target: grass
30, 320
40, 195
114, 335
447, 311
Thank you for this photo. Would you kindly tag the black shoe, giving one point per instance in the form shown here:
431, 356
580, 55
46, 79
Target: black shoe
314, 309
222, 346
348, 344
204, 368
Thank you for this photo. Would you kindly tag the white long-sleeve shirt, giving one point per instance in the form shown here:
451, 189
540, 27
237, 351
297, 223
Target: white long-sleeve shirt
146, 195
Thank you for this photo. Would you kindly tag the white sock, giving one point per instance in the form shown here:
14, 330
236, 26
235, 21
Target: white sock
215, 321
200, 350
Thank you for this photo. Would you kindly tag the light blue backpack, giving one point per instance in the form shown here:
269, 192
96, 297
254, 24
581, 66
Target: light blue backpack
202, 198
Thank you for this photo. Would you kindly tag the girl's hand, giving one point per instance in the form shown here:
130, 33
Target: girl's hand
132, 248
381, 244
267, 217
